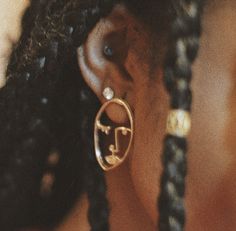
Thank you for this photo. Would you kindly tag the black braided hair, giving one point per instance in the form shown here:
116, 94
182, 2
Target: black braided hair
184, 43
46, 107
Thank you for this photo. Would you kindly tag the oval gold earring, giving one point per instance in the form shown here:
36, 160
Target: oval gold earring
113, 155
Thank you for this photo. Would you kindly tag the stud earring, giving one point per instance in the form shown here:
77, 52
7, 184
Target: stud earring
108, 93
113, 155
108, 51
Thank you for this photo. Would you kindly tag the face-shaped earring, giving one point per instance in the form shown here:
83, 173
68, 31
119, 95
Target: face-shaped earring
112, 155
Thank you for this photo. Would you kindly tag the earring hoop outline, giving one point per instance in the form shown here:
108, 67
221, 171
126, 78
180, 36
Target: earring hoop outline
103, 161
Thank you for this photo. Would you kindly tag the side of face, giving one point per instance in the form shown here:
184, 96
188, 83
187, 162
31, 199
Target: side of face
212, 142
136, 75
210, 184
211, 150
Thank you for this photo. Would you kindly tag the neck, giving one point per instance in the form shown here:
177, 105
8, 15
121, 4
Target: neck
126, 211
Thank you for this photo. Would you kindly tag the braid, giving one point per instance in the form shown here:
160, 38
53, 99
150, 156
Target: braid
42, 110
98, 212
46, 106
184, 36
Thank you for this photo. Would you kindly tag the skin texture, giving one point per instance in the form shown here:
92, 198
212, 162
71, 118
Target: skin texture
133, 188
10, 17
210, 188
212, 151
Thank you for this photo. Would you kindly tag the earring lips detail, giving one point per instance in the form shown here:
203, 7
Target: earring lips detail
114, 155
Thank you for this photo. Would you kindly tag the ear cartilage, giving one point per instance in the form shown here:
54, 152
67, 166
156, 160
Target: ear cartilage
108, 93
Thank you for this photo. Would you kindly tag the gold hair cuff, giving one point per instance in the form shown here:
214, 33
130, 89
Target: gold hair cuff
178, 123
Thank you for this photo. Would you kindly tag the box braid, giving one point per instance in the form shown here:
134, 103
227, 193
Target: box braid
41, 112
184, 44
46, 107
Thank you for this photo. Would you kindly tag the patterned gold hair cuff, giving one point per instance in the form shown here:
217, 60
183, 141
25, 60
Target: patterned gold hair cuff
178, 123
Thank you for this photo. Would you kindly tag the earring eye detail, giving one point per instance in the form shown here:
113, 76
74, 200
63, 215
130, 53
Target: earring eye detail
113, 155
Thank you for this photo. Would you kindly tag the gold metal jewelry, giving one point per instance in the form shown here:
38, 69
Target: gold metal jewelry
108, 93
115, 156
178, 123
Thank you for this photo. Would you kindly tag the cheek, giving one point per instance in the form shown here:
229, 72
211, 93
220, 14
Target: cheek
145, 164
210, 153
212, 142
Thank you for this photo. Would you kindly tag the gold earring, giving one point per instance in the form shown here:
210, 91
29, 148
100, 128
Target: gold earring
112, 156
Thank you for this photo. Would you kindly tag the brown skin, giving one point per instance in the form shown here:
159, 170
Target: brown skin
211, 197
133, 187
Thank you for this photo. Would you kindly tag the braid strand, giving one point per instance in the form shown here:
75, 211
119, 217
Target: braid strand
184, 44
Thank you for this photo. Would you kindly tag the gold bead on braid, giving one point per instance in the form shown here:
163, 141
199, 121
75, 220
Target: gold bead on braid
178, 123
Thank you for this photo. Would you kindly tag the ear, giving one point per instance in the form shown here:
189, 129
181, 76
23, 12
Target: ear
102, 59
